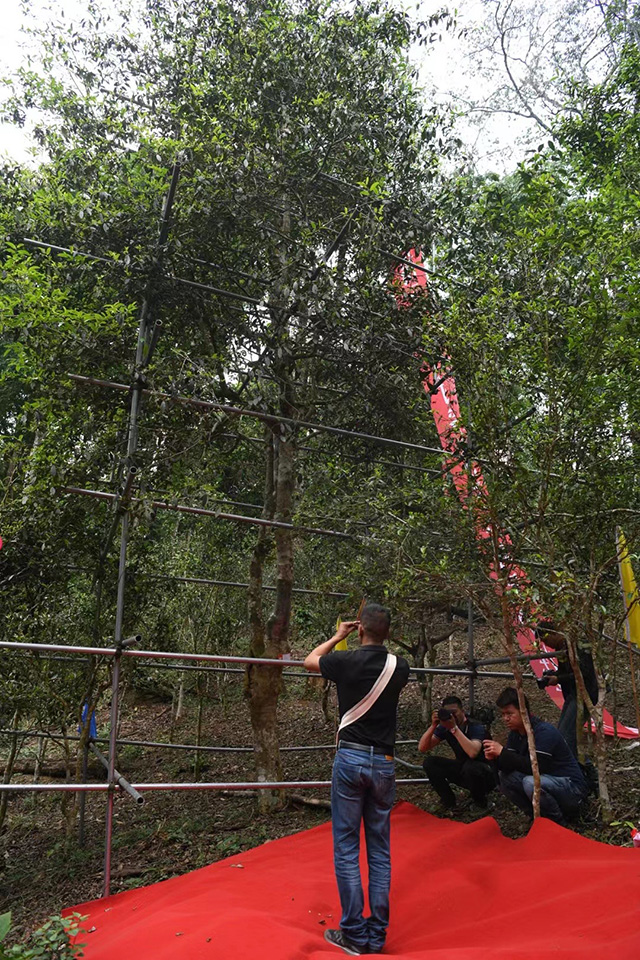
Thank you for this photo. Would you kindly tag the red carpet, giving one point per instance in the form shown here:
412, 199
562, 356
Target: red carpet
459, 892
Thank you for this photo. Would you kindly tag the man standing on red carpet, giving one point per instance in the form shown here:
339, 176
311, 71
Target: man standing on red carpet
369, 681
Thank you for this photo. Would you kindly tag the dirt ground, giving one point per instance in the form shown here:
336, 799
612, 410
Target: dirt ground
172, 833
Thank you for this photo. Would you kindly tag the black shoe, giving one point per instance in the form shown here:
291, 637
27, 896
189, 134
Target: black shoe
443, 809
338, 939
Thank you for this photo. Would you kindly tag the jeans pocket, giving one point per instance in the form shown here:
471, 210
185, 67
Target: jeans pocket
346, 777
385, 787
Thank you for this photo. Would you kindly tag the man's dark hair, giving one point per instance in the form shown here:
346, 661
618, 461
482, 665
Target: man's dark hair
543, 627
509, 698
448, 700
375, 621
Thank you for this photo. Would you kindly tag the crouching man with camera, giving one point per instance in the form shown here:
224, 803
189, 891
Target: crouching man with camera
468, 767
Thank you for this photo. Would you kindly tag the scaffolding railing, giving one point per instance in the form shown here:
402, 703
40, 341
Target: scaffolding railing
162, 655
117, 782
166, 745
122, 649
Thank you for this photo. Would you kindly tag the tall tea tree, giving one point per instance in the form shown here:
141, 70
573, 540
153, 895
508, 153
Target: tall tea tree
307, 157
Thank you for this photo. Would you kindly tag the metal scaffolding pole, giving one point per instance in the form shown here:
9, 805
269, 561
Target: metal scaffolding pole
270, 418
219, 515
119, 779
244, 586
163, 655
142, 787
147, 339
471, 654
343, 456
159, 744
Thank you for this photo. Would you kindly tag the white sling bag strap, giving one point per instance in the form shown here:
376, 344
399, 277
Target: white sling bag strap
370, 698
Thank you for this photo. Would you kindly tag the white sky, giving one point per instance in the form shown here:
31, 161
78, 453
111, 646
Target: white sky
443, 69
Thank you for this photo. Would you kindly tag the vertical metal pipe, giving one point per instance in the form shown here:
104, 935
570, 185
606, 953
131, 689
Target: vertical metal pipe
132, 445
115, 693
115, 683
83, 796
471, 655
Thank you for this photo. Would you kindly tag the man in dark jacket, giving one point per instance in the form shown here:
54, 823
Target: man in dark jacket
363, 782
553, 637
562, 783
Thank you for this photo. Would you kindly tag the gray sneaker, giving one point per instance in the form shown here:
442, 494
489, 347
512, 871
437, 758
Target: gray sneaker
338, 939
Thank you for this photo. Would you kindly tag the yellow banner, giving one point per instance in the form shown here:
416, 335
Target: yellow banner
629, 587
343, 643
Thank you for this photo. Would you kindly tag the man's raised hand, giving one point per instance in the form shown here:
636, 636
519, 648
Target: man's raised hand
492, 749
345, 628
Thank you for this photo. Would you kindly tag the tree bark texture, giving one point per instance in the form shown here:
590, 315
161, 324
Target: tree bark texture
596, 715
271, 640
13, 750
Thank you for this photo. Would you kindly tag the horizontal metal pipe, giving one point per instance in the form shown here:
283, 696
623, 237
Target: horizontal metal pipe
296, 674
259, 415
34, 734
56, 648
104, 787
203, 512
343, 456
216, 658
218, 291
74, 253
243, 586
520, 657
54, 787
260, 508
167, 276
506, 674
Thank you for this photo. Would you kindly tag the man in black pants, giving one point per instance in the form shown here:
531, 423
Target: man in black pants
363, 783
468, 767
552, 636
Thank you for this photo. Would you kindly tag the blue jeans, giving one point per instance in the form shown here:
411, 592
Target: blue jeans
567, 723
363, 788
560, 797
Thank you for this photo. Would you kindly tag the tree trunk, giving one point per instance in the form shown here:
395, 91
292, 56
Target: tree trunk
326, 706
425, 681
263, 683
11, 759
201, 689
507, 628
596, 714
37, 769
180, 705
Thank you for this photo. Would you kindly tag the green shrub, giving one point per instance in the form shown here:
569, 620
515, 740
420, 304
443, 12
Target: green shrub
52, 941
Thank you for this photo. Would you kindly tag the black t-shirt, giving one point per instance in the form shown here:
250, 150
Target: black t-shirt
472, 730
354, 672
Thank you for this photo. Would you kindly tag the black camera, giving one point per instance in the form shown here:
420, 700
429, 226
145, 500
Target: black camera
444, 714
546, 679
